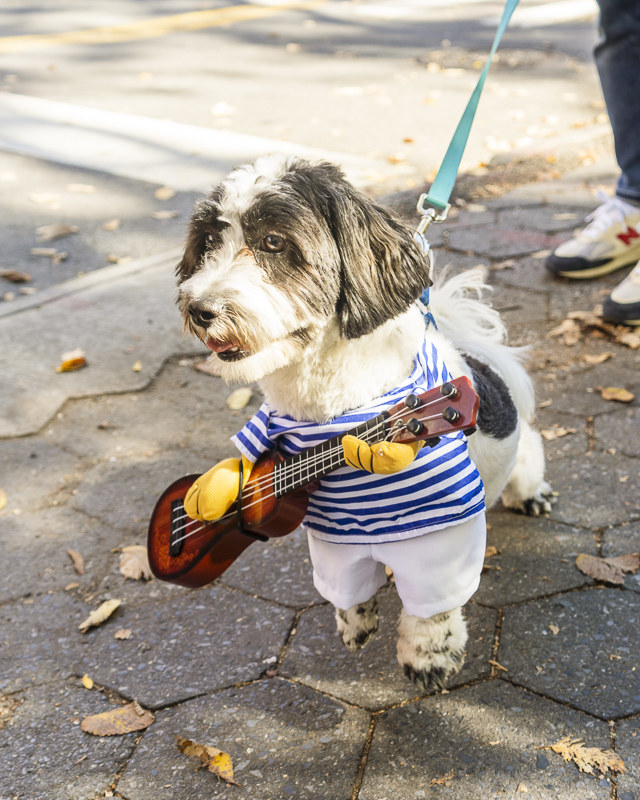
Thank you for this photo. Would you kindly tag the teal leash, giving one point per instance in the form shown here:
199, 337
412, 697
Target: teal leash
434, 205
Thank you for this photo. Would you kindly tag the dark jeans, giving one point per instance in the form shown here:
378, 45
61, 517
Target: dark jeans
617, 57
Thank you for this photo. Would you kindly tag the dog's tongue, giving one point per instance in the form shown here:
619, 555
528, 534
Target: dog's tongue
218, 347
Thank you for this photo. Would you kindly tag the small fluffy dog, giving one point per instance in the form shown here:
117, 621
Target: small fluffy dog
295, 279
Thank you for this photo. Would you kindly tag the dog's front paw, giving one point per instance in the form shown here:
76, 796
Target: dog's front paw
357, 624
536, 505
432, 650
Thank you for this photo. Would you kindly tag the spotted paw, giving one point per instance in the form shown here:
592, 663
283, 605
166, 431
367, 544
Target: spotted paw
357, 624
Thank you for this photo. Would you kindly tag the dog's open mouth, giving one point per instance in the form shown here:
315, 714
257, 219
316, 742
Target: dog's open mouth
226, 351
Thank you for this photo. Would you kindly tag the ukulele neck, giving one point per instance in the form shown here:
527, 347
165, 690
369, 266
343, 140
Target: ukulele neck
298, 471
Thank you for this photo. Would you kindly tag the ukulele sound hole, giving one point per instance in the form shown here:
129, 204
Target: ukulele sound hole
176, 536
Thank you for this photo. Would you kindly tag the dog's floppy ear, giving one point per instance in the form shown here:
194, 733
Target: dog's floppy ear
383, 270
204, 224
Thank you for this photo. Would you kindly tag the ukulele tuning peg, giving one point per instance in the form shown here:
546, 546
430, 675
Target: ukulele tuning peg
451, 414
412, 401
415, 427
448, 389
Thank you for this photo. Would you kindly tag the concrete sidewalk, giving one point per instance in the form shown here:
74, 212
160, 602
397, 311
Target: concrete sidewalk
252, 664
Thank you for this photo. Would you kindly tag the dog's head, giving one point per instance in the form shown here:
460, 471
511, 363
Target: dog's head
281, 249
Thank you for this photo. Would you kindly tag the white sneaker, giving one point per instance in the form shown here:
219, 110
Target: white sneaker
611, 240
623, 305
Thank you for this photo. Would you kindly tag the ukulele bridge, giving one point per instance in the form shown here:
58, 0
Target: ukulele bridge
176, 536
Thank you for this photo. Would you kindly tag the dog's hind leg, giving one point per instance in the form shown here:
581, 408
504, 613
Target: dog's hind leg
526, 490
431, 650
357, 624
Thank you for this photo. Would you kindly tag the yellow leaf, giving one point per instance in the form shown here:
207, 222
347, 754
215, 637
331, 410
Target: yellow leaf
164, 193
134, 563
210, 757
56, 230
87, 682
99, 615
118, 721
74, 359
78, 561
587, 759
137, 367
616, 393
239, 398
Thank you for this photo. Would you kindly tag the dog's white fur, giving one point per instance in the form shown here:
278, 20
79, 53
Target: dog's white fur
280, 317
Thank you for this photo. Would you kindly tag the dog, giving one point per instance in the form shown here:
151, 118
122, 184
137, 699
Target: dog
295, 279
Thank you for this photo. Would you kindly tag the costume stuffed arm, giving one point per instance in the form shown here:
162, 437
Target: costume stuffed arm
383, 458
213, 493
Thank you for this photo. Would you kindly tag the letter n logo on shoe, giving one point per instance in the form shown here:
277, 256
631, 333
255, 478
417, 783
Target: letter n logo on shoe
631, 233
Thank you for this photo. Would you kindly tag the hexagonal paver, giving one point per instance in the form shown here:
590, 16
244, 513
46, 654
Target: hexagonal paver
620, 541
203, 640
36, 545
279, 569
580, 648
371, 677
124, 493
39, 640
34, 472
45, 754
614, 431
501, 241
480, 742
535, 557
614, 479
284, 741
628, 746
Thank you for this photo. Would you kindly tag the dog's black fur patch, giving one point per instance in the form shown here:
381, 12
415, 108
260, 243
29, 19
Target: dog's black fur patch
497, 413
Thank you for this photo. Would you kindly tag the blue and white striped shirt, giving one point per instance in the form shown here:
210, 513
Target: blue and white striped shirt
441, 487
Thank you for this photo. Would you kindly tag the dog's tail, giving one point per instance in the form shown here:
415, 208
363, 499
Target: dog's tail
476, 328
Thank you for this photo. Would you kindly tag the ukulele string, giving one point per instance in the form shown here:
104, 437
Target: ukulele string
322, 457
263, 482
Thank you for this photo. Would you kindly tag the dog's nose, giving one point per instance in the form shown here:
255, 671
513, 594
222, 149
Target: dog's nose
203, 315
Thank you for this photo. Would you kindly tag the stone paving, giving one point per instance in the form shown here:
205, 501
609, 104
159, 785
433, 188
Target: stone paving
252, 664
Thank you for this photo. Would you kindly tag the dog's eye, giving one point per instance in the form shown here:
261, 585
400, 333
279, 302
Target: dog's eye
273, 243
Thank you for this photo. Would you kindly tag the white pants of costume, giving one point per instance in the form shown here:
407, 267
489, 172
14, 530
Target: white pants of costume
433, 573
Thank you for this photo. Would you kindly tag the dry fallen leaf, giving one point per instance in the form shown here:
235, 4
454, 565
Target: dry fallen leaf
44, 198
78, 561
56, 256
81, 188
600, 358
99, 615
137, 367
87, 682
556, 433
111, 224
15, 276
569, 330
122, 633
239, 398
491, 550
617, 393
555, 630
497, 665
630, 339
165, 214
164, 193
71, 361
118, 721
609, 570
210, 757
56, 230
3, 499
134, 563
445, 780
587, 759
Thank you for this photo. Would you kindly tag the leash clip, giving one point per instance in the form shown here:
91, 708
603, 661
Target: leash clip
430, 214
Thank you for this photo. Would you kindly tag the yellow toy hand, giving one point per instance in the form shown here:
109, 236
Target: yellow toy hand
383, 458
212, 494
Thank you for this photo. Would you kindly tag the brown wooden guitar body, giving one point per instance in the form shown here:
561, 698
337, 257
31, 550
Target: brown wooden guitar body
209, 548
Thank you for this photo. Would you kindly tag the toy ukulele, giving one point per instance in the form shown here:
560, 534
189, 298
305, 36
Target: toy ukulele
273, 501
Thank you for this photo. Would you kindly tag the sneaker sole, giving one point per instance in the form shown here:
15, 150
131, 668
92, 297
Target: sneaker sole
602, 269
